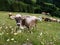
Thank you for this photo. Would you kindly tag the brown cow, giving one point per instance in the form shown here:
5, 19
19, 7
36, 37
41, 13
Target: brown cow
26, 21
49, 19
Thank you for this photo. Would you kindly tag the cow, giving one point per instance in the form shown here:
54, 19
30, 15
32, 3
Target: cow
26, 21
58, 20
49, 19
53, 19
46, 19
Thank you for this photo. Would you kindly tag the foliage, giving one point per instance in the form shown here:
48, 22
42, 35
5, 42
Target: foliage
31, 6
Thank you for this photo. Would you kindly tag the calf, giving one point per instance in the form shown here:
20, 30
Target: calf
11, 16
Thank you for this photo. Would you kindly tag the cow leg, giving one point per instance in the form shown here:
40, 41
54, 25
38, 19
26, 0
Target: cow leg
17, 28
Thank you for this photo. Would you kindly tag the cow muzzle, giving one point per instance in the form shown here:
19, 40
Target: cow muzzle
18, 24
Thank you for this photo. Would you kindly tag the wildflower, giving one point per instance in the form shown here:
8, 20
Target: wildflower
6, 27
27, 39
12, 29
15, 33
8, 40
7, 33
12, 39
46, 32
2, 33
19, 31
51, 43
10, 26
31, 32
28, 31
38, 36
3, 24
42, 43
15, 41
40, 33
1, 27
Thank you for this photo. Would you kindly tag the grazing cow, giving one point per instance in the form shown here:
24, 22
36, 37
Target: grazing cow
49, 19
53, 19
58, 21
46, 19
11, 16
26, 21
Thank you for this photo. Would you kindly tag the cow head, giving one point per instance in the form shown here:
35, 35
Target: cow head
18, 19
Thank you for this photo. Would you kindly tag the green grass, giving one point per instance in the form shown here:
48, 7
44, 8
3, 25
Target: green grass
47, 33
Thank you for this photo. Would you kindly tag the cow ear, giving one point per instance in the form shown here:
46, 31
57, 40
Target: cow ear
21, 18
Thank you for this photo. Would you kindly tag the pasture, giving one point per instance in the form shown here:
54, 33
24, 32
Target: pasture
46, 33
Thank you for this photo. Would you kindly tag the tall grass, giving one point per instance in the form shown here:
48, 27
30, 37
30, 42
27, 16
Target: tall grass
47, 33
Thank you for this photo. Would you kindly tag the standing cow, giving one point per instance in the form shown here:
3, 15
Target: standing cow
26, 21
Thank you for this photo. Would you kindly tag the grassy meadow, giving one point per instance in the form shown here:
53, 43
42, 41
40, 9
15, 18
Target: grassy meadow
46, 33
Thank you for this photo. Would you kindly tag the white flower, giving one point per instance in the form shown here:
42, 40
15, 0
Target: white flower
8, 40
40, 33
3, 24
2, 33
1, 27
12, 39
15, 41
6, 27
27, 39
38, 36
31, 32
19, 31
15, 33
12, 29
7, 33
10, 26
